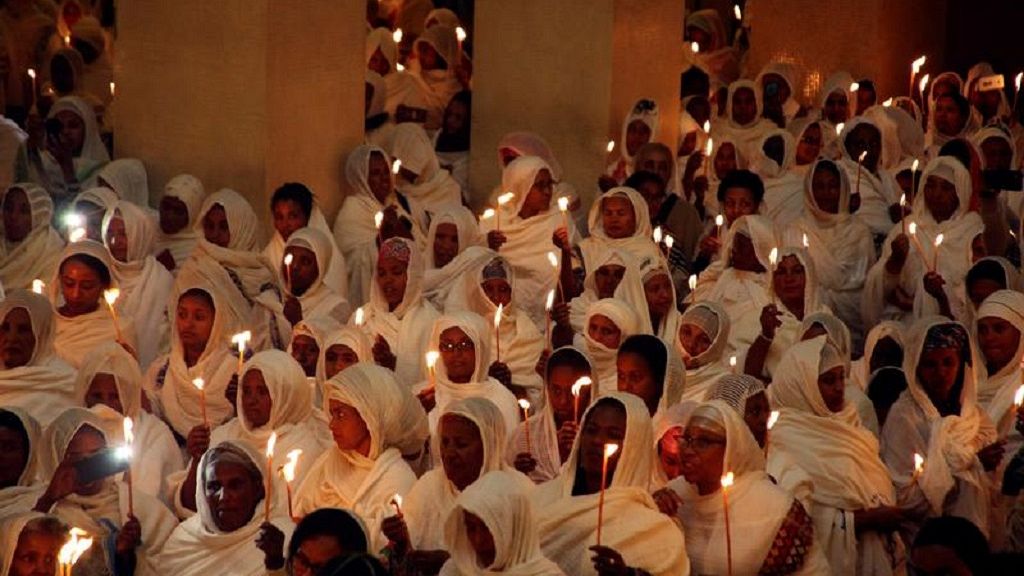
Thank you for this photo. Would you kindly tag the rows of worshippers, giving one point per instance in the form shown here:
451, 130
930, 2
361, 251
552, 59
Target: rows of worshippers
789, 344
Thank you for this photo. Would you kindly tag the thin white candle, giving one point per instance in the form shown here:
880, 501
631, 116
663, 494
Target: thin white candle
577, 389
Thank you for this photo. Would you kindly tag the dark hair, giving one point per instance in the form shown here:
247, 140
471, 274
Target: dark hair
885, 386
694, 82
568, 356
362, 564
94, 264
959, 535
199, 294
457, 141
957, 148
652, 350
866, 84
334, 523
294, 192
986, 270
12, 421
641, 177
961, 103
742, 179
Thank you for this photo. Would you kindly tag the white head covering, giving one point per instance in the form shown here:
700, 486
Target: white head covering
997, 393
127, 177
35, 256
329, 261
189, 190
11, 528
645, 110
734, 390
638, 244
604, 358
93, 155
465, 224
434, 187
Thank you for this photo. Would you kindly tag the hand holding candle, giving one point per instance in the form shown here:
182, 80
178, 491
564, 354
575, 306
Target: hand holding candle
577, 390
111, 297
288, 471
609, 451
935, 254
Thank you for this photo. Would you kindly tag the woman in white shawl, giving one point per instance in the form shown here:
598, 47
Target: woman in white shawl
420, 176
20, 485
127, 177
618, 221
73, 157
368, 172
500, 504
30, 544
749, 398
30, 245
110, 385
743, 122
819, 434
528, 224
615, 276
639, 128
144, 283
230, 529
650, 369
659, 299
404, 91
717, 56
702, 339
770, 532
938, 417
398, 318
453, 230
76, 291
608, 323
903, 283
840, 245
471, 442
464, 341
91, 206
836, 103
875, 185
772, 160
307, 348
437, 68
32, 377
1000, 327
308, 294
342, 348
127, 542
634, 534
783, 75
883, 348
179, 212
373, 420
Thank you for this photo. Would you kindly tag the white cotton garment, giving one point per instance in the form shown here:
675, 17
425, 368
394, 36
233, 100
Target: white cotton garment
29, 487
189, 190
627, 321
638, 245
34, 256
322, 299
334, 272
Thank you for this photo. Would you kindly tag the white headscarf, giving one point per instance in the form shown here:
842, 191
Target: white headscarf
434, 187
878, 189
995, 394
637, 245
127, 177
783, 201
29, 487
326, 296
335, 275
602, 357
630, 289
189, 190
746, 136
350, 336
93, 155
36, 255
710, 365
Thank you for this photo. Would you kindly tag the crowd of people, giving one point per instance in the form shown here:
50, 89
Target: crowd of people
789, 342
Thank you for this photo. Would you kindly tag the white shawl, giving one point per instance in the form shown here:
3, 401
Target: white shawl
434, 187
638, 245
322, 298
783, 201
189, 190
878, 190
334, 272
127, 177
999, 388
603, 357
36, 255
710, 364
29, 487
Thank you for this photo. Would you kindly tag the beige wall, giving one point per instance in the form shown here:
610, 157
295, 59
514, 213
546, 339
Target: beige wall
245, 94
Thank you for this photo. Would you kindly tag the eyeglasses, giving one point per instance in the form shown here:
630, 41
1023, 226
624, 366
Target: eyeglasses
700, 444
463, 346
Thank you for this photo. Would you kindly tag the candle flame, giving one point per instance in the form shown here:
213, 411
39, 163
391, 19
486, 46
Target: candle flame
669, 241
38, 286
360, 316
719, 220
74, 220
524, 404
271, 443
67, 39
129, 435
610, 450
32, 73
916, 65
923, 83
887, 103
918, 463
111, 296
75, 547
397, 35
1016, 82
396, 501
378, 219
488, 213
241, 339
289, 257
497, 315
707, 126
552, 259
912, 228
396, 166
460, 33
111, 88
505, 198
400, 67
773, 256
855, 87
611, 145
839, 128
695, 48
807, 243
772, 419
693, 282
199, 383
737, 12
550, 303
732, 361
577, 388
727, 480
288, 470
863, 155
709, 147
1018, 397
563, 203
432, 356
657, 234
903, 200
938, 240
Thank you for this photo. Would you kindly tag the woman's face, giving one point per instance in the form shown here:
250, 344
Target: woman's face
998, 340
72, 131
17, 339
538, 199
215, 227
940, 198
997, 152
480, 538
790, 281
636, 377
348, 428
837, 107
255, 398
832, 385
232, 494
688, 145
497, 290
378, 177
117, 238
604, 331
937, 372
755, 415
738, 202
725, 160
458, 354
743, 256
428, 57
695, 341
826, 186
887, 352
658, 292
14, 456
17, 215
306, 352
173, 215
559, 388
85, 443
607, 279
446, 244
103, 390
660, 163
379, 63
392, 276
981, 288
702, 456
36, 554
337, 358
288, 217
194, 321
669, 453
303, 272
461, 449
744, 106
809, 146
637, 134
605, 424
81, 287
948, 120
456, 115
865, 138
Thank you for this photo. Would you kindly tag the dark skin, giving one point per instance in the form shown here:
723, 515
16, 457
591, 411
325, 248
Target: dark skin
17, 215
288, 217
498, 291
17, 339
215, 226
392, 277
998, 341
232, 492
636, 377
559, 389
300, 276
13, 456
789, 282
82, 288
103, 390
809, 146
446, 244
117, 238
738, 202
67, 145
538, 200
173, 219
36, 554
306, 352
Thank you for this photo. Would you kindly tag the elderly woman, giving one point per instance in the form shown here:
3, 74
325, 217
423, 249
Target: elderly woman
30, 246
32, 377
179, 210
701, 342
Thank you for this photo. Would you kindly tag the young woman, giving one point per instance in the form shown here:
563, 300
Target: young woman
293, 207
345, 347
179, 210
650, 370
876, 190
30, 245
773, 158
749, 398
744, 124
308, 291
703, 337
70, 159
21, 436
639, 127
420, 176
608, 323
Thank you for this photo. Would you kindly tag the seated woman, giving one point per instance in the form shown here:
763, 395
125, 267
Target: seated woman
293, 207
91, 206
769, 530
453, 230
68, 161
100, 506
772, 160
835, 101
143, 282
464, 342
738, 193
306, 348
32, 377
811, 141
639, 127
702, 339
438, 70
420, 176
179, 211
374, 422
345, 347
30, 246
938, 417
743, 124
30, 544
471, 442
748, 397
127, 177
819, 434
635, 535
307, 293
323, 535
882, 348
618, 221
451, 142
615, 276
273, 398
77, 291
999, 328
986, 276
650, 370
21, 437
876, 189
233, 524
668, 430
110, 385
608, 323
904, 284
397, 317
492, 528
659, 299
553, 429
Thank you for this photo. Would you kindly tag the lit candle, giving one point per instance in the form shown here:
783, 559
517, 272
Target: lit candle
773, 417
912, 230
577, 389
903, 206
396, 166
727, 482
855, 87
918, 466
38, 286
71, 551
360, 316
1018, 397
692, 282
271, 443
732, 364
1016, 93
707, 155
111, 297
129, 441
915, 67
289, 257
669, 242
399, 67
77, 235
240, 340
112, 86
548, 305
887, 103
502, 200
913, 176
807, 243
32, 75
773, 261
525, 405
737, 12
201, 386
657, 234
396, 503
695, 48
431, 358
922, 85
497, 332
397, 35
935, 254
707, 126
563, 207
609, 451
611, 146
378, 219
719, 222
460, 34
67, 40
288, 471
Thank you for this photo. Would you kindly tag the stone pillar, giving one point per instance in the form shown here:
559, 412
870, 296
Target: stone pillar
569, 71
245, 94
